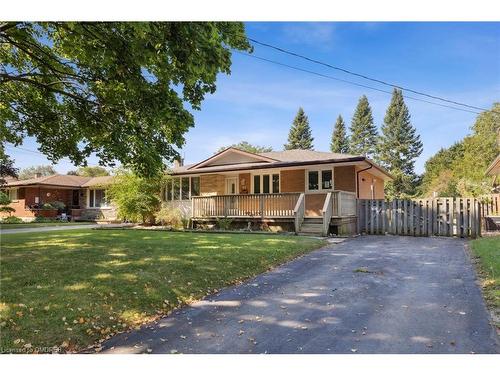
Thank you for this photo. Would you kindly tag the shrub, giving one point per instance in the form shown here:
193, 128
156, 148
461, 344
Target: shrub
41, 219
12, 220
170, 216
224, 223
59, 206
47, 206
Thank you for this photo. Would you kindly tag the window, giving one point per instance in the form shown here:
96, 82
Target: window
317, 180
326, 179
266, 183
13, 194
276, 183
182, 188
256, 184
195, 186
313, 180
97, 198
185, 188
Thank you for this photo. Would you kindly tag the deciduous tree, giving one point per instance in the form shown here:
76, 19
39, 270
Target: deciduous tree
114, 89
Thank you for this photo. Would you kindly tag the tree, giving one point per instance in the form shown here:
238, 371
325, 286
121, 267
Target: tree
363, 140
398, 148
245, 146
7, 168
300, 136
90, 172
136, 198
4, 203
340, 141
480, 149
116, 89
32, 172
439, 176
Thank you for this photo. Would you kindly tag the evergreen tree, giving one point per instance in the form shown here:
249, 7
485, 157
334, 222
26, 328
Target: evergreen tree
300, 136
340, 141
363, 140
398, 148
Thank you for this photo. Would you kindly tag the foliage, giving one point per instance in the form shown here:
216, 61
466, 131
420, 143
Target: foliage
398, 147
116, 89
340, 141
31, 172
363, 140
439, 176
90, 172
245, 146
169, 216
300, 136
459, 170
47, 206
7, 209
58, 205
4, 203
12, 220
7, 168
42, 219
486, 249
224, 223
115, 280
137, 198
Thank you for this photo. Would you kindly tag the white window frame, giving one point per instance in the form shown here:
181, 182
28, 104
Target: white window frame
270, 174
92, 191
190, 178
320, 180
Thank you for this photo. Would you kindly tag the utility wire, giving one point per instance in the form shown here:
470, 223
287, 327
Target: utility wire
348, 82
282, 50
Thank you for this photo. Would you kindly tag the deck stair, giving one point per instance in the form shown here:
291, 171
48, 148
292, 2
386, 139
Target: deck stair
311, 226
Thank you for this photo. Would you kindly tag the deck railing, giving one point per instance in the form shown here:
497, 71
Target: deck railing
299, 212
344, 203
245, 205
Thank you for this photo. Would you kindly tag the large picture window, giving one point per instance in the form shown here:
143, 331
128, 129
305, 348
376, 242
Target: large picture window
320, 180
266, 183
97, 198
182, 188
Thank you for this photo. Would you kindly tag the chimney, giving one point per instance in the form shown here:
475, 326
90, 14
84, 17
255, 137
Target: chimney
178, 162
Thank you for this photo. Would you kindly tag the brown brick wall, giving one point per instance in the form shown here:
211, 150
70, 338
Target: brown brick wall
366, 179
345, 178
292, 181
212, 184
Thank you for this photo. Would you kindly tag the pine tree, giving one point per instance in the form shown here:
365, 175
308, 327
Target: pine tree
398, 148
363, 139
340, 141
300, 136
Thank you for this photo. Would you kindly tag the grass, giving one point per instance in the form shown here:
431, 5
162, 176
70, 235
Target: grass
487, 250
69, 289
38, 225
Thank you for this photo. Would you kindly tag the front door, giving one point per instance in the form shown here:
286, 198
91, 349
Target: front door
231, 189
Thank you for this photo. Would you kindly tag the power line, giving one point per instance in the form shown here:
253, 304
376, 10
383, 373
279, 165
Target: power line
291, 53
349, 82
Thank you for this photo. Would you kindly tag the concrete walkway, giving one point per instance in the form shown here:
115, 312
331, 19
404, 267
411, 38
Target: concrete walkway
373, 294
62, 227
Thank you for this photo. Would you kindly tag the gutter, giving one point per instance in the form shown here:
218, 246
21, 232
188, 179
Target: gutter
357, 179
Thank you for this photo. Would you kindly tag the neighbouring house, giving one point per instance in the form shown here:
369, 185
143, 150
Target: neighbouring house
84, 197
494, 171
491, 204
294, 190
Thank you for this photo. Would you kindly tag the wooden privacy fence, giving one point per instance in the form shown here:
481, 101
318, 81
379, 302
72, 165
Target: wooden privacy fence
490, 205
421, 217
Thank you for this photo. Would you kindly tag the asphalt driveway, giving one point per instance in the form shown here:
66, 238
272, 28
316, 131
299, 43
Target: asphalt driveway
372, 294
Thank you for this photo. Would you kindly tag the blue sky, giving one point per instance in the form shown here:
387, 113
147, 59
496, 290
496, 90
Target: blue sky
258, 101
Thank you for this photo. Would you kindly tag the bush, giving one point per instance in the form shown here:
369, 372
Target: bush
224, 223
170, 216
59, 206
47, 206
41, 219
12, 220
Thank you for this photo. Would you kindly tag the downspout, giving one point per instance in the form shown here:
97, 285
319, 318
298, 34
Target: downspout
357, 179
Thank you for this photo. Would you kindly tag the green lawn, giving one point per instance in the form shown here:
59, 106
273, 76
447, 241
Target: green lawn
71, 288
487, 250
37, 225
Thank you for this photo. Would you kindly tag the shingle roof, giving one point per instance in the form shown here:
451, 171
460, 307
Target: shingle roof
305, 155
62, 180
